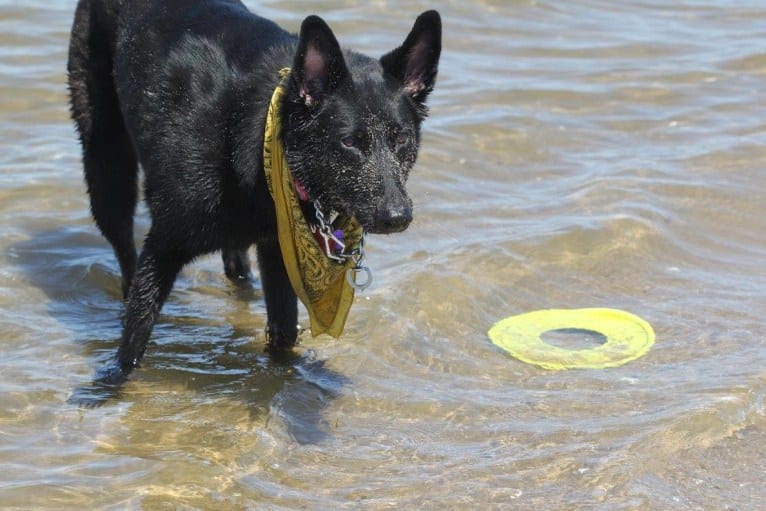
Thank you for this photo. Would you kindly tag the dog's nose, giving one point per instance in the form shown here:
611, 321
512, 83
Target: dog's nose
391, 220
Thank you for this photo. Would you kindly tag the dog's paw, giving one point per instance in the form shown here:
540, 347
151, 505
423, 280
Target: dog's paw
236, 265
106, 386
240, 279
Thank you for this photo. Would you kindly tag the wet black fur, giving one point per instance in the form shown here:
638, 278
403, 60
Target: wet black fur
182, 88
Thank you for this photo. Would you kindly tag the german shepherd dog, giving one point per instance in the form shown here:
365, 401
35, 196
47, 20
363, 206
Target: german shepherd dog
181, 88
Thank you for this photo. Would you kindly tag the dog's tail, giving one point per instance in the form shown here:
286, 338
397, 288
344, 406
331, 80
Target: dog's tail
91, 51
108, 155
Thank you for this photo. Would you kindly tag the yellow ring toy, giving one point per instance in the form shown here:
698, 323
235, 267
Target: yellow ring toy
628, 337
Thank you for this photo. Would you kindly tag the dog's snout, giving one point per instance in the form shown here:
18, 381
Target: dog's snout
393, 219
394, 210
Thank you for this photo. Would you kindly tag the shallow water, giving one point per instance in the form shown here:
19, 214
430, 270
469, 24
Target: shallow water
582, 153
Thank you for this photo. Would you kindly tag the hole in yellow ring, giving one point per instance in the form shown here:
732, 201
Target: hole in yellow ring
575, 339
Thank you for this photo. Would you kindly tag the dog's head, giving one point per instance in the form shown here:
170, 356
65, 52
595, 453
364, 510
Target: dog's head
352, 124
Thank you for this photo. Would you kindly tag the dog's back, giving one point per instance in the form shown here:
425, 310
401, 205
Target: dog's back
157, 83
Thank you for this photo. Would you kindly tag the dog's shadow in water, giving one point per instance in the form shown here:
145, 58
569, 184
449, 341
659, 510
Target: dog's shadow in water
75, 268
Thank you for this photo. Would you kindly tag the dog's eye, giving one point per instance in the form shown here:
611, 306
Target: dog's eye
348, 141
399, 137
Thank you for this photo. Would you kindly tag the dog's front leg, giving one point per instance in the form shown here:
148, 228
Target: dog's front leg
281, 302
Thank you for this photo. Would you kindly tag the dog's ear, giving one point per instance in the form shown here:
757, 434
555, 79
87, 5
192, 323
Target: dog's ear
319, 66
415, 63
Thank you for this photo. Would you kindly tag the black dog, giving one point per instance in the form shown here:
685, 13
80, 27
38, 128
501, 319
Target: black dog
182, 87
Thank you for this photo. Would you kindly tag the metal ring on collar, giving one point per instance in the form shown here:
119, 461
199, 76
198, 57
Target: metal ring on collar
352, 273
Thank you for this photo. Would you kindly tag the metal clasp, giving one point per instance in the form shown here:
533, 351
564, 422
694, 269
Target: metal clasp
351, 274
340, 255
327, 235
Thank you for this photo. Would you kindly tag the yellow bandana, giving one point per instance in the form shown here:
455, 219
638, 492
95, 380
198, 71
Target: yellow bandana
319, 282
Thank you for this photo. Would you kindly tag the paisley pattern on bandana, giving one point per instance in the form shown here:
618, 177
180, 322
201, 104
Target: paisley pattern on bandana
319, 282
